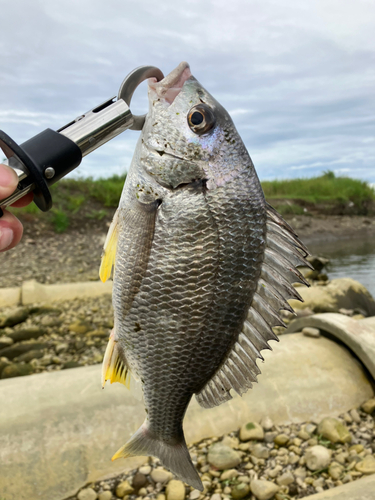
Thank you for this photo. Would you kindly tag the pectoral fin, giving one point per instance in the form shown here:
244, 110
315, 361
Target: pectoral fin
109, 251
114, 367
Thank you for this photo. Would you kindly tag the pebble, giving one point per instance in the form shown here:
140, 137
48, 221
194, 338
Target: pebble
105, 495
260, 451
123, 489
369, 406
161, 475
194, 495
285, 479
145, 470
266, 423
355, 416
318, 457
367, 465
263, 490
87, 494
139, 480
216, 496
223, 457
240, 490
251, 430
334, 430
309, 331
281, 439
229, 474
175, 490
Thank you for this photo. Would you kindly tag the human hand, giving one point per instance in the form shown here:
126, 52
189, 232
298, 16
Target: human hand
10, 227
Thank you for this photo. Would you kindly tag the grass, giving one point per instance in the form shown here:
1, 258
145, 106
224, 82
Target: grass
326, 187
93, 200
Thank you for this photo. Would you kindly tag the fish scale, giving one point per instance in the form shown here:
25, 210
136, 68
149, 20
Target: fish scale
197, 273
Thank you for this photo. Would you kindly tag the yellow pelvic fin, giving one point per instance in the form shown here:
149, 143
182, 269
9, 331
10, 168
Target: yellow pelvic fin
114, 368
121, 453
109, 250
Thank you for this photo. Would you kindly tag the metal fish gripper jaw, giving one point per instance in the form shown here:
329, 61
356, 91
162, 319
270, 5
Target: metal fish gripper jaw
47, 157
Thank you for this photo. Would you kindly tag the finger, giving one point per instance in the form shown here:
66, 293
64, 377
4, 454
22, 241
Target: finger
8, 181
10, 231
25, 200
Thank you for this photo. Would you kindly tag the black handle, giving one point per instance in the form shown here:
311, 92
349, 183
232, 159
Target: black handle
48, 157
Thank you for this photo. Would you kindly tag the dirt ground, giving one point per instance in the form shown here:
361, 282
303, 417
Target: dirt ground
74, 255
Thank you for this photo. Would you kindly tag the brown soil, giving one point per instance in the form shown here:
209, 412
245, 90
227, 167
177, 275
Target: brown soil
74, 255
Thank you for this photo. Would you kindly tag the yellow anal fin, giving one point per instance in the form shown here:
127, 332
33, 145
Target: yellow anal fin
121, 453
109, 250
114, 368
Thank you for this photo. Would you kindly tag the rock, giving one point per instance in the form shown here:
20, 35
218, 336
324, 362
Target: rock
105, 495
60, 348
339, 293
229, 474
14, 317
317, 262
80, 327
87, 494
5, 341
142, 492
223, 457
161, 496
285, 479
318, 457
175, 490
309, 331
355, 416
263, 490
29, 356
240, 490
300, 473
71, 364
281, 439
145, 470
369, 406
17, 370
51, 321
367, 465
251, 430
232, 442
123, 489
334, 430
32, 332
266, 423
194, 495
215, 496
335, 470
98, 333
17, 349
161, 475
139, 480
3, 364
260, 451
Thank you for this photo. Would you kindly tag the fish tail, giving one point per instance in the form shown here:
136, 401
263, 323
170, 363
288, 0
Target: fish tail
174, 456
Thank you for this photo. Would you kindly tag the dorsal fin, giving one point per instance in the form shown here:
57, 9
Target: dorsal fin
109, 250
284, 251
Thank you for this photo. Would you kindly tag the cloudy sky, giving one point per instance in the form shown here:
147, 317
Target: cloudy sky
298, 77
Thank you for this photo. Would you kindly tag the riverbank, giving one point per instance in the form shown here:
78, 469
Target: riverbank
74, 255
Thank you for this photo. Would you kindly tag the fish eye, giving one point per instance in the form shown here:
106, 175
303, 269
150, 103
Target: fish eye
201, 119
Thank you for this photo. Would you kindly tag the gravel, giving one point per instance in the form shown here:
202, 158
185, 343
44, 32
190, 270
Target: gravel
285, 474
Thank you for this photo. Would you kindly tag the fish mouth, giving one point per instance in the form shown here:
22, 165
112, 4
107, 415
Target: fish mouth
169, 88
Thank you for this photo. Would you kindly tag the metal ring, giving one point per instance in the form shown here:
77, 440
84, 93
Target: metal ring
129, 85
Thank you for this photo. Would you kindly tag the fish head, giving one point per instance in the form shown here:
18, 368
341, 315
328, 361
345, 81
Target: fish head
188, 136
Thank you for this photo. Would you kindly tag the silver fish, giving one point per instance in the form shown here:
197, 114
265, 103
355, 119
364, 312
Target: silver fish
203, 265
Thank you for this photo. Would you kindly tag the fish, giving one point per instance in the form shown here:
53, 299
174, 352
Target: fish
202, 267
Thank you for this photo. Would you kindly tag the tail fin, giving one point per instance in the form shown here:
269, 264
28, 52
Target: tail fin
175, 457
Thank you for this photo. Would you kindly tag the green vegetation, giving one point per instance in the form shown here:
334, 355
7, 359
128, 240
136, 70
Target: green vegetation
88, 200
325, 188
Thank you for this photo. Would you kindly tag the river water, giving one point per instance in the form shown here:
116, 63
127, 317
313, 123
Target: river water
349, 259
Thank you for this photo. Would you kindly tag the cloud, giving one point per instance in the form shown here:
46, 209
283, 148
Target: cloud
297, 77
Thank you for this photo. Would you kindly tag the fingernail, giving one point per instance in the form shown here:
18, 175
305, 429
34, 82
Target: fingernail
6, 237
7, 176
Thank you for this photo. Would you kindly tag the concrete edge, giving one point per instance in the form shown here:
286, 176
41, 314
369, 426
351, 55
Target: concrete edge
31, 292
362, 489
357, 335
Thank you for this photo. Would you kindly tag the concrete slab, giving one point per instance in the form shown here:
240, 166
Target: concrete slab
10, 296
358, 335
59, 430
363, 489
33, 292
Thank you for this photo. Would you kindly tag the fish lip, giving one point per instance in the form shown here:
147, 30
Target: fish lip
169, 88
